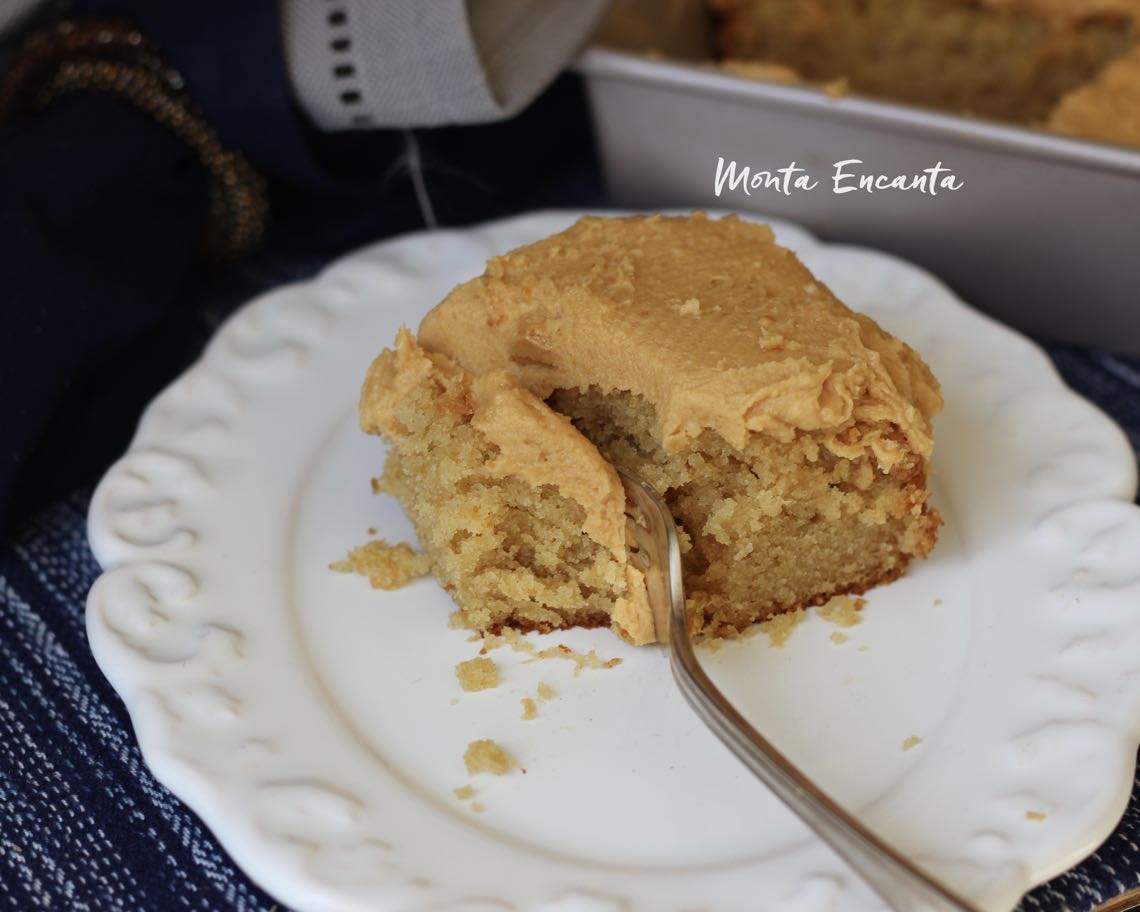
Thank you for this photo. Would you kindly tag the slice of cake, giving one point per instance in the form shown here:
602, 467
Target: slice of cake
789, 436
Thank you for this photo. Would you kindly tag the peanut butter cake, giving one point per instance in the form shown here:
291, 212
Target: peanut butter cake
1015, 60
789, 435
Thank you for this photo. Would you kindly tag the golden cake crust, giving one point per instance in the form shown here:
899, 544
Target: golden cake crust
713, 323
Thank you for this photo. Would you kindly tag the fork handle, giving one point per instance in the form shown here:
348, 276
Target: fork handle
898, 882
657, 554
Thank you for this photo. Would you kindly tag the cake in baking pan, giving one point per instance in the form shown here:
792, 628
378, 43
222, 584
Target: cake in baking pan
1035, 62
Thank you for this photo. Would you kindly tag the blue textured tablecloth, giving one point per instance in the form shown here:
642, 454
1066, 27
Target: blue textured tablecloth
84, 826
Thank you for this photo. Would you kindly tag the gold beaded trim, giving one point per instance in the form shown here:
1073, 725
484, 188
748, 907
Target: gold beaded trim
113, 57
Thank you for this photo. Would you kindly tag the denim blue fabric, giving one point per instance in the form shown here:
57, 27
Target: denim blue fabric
83, 824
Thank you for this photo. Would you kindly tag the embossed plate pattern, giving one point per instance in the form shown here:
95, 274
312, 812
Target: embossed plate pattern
317, 727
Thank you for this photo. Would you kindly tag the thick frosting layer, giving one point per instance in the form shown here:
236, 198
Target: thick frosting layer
710, 320
535, 444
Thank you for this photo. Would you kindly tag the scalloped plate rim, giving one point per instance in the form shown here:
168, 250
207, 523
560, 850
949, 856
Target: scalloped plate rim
168, 768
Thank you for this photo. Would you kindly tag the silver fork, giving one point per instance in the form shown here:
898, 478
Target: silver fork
895, 879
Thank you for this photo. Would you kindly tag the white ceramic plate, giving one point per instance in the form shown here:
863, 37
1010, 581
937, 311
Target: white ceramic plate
317, 727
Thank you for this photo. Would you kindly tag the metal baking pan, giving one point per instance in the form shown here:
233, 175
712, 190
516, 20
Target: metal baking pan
1044, 233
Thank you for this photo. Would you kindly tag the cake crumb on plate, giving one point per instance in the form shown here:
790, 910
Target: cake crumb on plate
485, 756
912, 741
590, 659
477, 674
843, 610
464, 792
838, 638
545, 692
518, 643
1035, 815
386, 566
780, 627
530, 709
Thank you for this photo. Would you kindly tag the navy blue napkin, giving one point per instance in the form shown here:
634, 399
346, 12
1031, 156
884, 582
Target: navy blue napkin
101, 212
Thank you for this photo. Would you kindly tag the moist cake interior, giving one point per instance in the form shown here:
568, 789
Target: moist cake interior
507, 551
762, 526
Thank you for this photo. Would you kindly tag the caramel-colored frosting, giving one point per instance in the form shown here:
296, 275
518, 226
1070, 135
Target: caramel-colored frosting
535, 444
717, 326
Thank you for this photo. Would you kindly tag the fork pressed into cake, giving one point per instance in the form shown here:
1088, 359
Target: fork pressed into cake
789, 435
